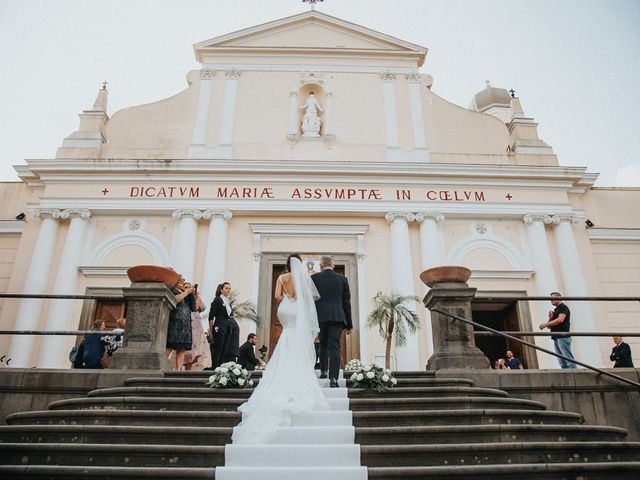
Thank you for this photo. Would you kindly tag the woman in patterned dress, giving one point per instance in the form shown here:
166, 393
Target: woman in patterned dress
179, 333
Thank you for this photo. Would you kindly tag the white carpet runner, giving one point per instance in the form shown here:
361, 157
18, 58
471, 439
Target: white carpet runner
317, 446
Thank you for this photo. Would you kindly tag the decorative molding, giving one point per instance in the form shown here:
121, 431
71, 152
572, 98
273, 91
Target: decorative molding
311, 78
435, 216
413, 77
43, 213
211, 214
313, 230
103, 271
407, 216
207, 74
481, 228
142, 239
329, 139
180, 214
536, 217
83, 213
12, 226
502, 274
257, 256
134, 225
293, 93
232, 73
569, 218
613, 234
387, 76
493, 242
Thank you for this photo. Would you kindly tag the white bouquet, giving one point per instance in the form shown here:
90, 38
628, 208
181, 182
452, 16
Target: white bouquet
230, 375
373, 376
353, 365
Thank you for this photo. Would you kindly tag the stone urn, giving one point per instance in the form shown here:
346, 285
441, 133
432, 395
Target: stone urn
445, 274
153, 274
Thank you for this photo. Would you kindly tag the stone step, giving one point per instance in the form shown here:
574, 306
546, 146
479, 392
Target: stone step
192, 392
116, 434
292, 473
439, 403
90, 454
449, 434
499, 453
526, 471
41, 472
205, 392
196, 418
463, 417
197, 381
273, 455
167, 403
127, 417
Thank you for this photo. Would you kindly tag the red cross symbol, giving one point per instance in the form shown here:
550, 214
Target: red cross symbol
105, 191
508, 196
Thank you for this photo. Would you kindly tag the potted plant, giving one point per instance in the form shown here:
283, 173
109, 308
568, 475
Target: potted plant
244, 309
393, 320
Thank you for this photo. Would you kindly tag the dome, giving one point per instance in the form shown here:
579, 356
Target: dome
490, 97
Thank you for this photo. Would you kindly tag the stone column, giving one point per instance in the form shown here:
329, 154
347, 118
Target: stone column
453, 340
362, 316
432, 254
408, 356
216, 258
417, 116
148, 307
185, 251
545, 280
585, 349
53, 353
390, 115
229, 109
35, 283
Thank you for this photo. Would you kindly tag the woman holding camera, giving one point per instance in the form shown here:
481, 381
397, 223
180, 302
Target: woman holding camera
179, 336
199, 356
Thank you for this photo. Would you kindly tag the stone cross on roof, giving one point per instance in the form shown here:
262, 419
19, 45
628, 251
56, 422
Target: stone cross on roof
312, 3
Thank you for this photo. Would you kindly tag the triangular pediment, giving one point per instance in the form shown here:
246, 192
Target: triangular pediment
310, 31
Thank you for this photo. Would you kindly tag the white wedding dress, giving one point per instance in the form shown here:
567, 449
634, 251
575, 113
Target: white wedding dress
289, 385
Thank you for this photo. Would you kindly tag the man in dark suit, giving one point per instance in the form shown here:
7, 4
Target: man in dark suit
621, 354
247, 357
334, 315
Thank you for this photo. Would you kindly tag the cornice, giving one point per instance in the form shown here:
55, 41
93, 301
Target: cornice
308, 229
614, 234
12, 226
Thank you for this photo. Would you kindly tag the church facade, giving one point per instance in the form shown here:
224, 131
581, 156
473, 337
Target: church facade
314, 135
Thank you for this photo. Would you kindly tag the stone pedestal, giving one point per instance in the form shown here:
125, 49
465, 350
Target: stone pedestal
453, 341
145, 338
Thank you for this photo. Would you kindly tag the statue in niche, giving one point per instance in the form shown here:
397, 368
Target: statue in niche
310, 121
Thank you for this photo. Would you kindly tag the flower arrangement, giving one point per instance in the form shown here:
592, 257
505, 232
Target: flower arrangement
230, 375
353, 365
373, 376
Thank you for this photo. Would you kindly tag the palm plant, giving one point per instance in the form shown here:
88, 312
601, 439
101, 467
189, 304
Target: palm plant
244, 310
393, 319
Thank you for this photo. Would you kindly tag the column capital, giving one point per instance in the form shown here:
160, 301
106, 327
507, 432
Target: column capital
232, 73
83, 213
387, 76
435, 216
413, 77
257, 256
207, 74
293, 93
407, 216
536, 217
180, 214
565, 217
43, 213
211, 214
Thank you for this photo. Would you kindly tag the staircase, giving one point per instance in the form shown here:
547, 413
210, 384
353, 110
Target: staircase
425, 428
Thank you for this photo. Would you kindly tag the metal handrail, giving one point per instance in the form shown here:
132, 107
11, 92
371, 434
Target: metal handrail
529, 344
562, 334
515, 298
62, 332
61, 297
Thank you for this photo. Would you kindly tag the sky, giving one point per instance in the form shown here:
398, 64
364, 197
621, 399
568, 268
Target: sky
573, 63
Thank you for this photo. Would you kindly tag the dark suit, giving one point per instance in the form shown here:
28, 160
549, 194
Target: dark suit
247, 357
334, 314
621, 354
225, 332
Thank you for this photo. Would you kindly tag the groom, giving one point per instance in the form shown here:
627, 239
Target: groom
334, 314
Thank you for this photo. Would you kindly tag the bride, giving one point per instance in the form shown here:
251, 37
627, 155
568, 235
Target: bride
289, 385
